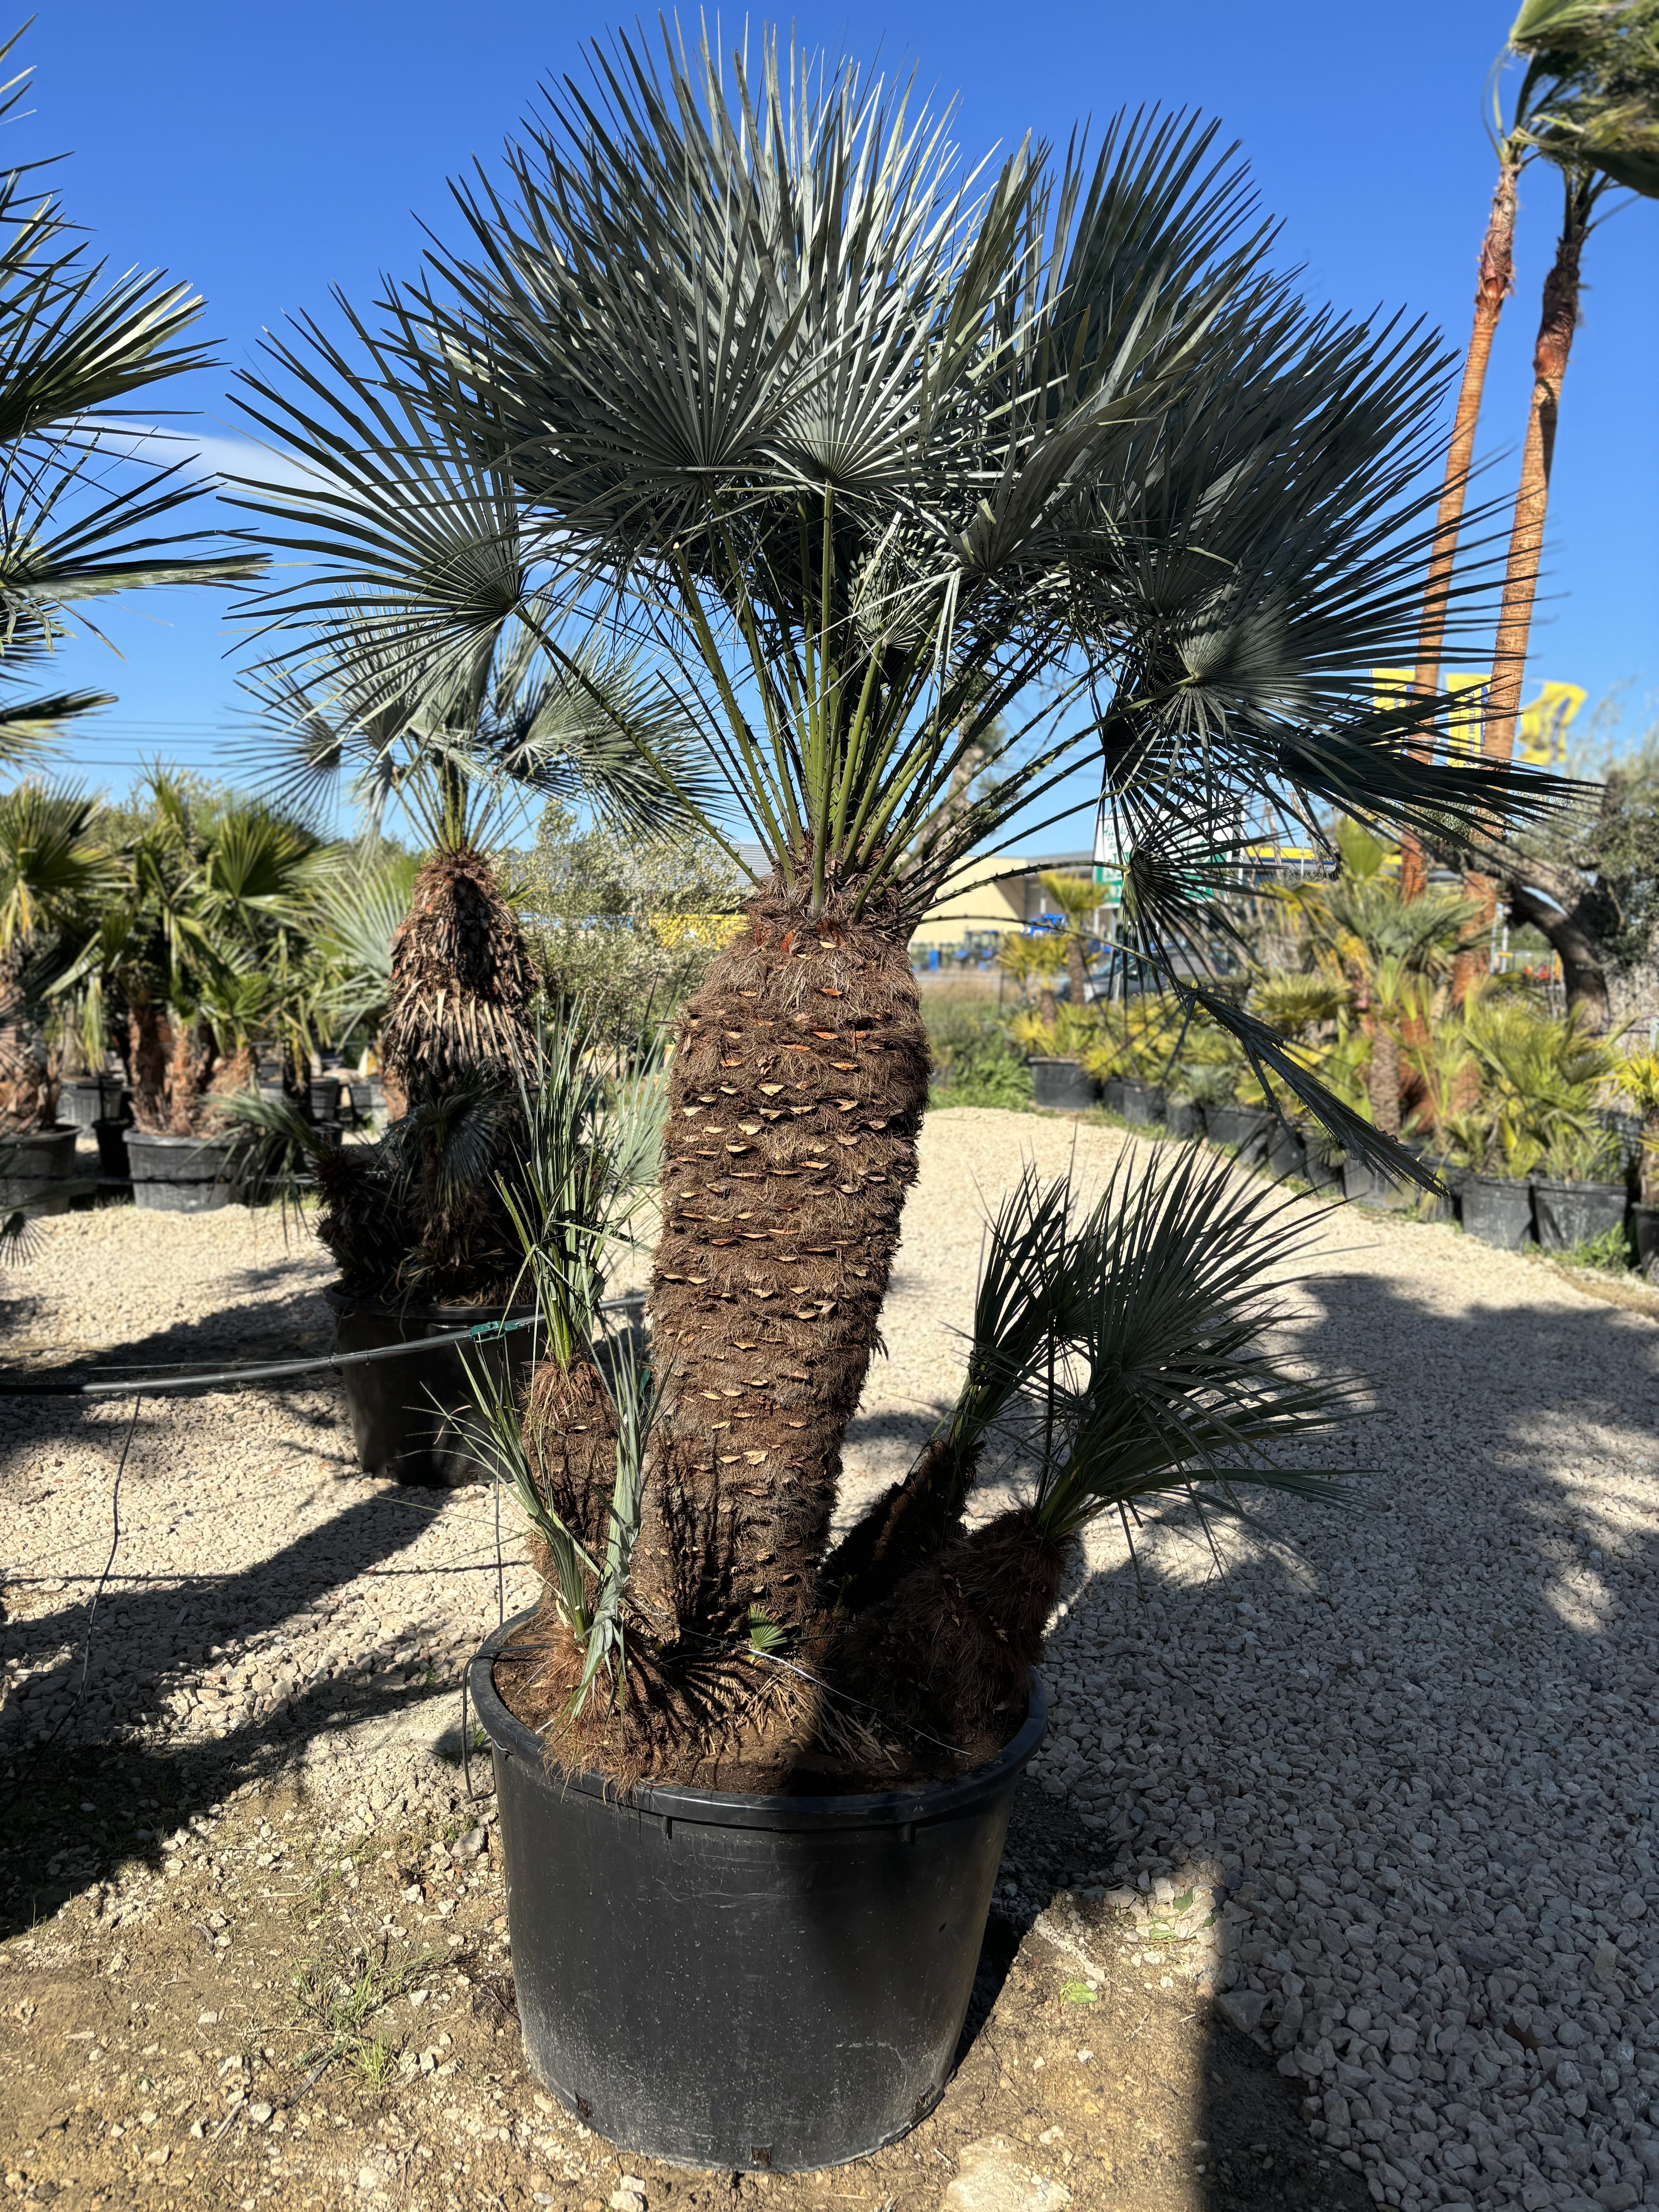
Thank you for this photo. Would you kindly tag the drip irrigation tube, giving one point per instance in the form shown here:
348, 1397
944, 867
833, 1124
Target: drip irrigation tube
228, 1378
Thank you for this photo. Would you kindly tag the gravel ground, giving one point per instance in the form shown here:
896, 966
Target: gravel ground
1402, 1758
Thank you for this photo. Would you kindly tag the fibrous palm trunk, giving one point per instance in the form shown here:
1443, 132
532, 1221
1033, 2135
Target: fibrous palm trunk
1494, 284
1557, 322
795, 1100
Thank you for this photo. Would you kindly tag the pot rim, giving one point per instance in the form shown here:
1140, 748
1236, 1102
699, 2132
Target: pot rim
722, 1808
341, 1300
1571, 1184
136, 1136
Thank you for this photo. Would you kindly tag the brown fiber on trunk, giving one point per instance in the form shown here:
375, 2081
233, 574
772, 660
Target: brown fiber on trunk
1494, 284
462, 980
1557, 321
149, 1069
795, 1098
570, 1442
946, 1656
909, 1523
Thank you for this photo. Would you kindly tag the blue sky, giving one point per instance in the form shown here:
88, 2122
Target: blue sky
268, 154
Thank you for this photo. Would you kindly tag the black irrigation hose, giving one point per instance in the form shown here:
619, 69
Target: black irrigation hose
227, 1378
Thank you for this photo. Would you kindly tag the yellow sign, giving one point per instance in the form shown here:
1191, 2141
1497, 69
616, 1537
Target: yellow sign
1541, 738
1468, 716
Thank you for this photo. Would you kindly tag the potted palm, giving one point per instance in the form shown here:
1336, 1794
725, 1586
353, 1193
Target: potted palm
1540, 1079
1579, 1194
422, 1222
846, 478
190, 953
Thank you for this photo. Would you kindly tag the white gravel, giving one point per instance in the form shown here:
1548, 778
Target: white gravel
1412, 1748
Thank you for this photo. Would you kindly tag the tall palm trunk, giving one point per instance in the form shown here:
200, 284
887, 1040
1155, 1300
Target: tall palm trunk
794, 1103
1557, 322
1077, 968
1494, 284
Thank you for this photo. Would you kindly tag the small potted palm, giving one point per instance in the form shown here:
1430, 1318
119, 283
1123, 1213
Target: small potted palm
424, 1223
1541, 1079
186, 958
888, 482
1580, 1194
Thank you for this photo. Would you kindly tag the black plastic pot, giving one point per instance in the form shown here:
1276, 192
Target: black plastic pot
744, 1983
113, 1149
1246, 1127
410, 1416
1645, 1228
88, 1099
1497, 1209
1183, 1117
1062, 1087
1111, 1093
1287, 1152
323, 1093
31, 1163
1143, 1103
1569, 1213
180, 1175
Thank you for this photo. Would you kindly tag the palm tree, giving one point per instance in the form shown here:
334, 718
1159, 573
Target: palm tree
1595, 117
1076, 899
54, 873
461, 752
72, 345
880, 470
191, 944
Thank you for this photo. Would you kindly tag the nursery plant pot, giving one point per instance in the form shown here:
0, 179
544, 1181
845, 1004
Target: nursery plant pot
408, 1415
31, 1163
112, 1150
1183, 1117
1497, 1209
1244, 1125
1287, 1152
180, 1175
1569, 1213
1062, 1087
747, 1984
1644, 1228
89, 1099
1143, 1103
1112, 1092
323, 1093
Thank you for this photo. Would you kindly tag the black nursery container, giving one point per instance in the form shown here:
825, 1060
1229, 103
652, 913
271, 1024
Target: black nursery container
1063, 1087
411, 1417
1244, 1125
1497, 1209
1569, 1213
181, 1174
1143, 1103
750, 1984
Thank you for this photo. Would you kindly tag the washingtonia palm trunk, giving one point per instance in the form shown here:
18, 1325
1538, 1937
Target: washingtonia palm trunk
796, 1097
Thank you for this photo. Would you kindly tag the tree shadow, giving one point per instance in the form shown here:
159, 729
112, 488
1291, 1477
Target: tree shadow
290, 1325
1496, 1593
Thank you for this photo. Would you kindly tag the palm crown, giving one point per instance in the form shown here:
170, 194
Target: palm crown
853, 450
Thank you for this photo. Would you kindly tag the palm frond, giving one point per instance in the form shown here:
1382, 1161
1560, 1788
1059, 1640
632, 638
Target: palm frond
1172, 1388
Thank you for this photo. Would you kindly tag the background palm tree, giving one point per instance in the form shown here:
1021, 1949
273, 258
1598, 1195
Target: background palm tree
1077, 900
461, 750
1595, 116
737, 368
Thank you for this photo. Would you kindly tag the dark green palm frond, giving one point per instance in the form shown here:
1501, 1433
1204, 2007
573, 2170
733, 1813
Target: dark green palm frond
1172, 1389
20, 1239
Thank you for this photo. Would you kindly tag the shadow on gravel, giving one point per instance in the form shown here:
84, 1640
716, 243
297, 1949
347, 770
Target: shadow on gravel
173, 1627
287, 1328
1480, 1419
1477, 1417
